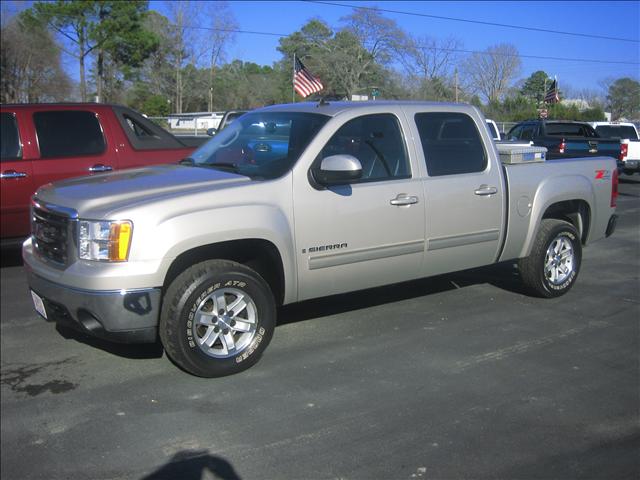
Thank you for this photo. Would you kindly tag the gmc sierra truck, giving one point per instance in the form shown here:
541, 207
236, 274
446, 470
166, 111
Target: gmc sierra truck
292, 202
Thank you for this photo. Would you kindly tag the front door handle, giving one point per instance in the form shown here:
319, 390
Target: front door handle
484, 190
100, 168
12, 174
404, 199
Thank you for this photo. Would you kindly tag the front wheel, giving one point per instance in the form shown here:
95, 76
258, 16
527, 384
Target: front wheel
553, 265
217, 318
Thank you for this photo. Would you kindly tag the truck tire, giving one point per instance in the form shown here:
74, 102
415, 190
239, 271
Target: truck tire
553, 265
217, 318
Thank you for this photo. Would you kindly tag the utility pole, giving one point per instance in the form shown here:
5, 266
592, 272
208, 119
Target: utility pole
456, 81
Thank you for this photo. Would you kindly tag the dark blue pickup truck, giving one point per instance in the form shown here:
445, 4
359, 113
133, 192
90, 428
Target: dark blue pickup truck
565, 139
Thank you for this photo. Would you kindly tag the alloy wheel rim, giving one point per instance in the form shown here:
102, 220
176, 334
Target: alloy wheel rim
559, 260
225, 323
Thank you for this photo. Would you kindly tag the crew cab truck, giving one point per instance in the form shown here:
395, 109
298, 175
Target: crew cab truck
565, 139
293, 202
629, 142
42, 143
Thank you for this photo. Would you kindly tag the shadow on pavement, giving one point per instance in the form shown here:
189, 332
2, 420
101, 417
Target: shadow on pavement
134, 351
194, 465
504, 276
11, 256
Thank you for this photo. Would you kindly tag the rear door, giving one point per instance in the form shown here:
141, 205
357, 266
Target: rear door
16, 178
72, 143
463, 190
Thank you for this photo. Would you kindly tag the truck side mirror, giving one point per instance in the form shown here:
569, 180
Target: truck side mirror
338, 170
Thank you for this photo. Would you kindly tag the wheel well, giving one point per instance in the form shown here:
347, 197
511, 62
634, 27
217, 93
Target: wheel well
259, 255
576, 212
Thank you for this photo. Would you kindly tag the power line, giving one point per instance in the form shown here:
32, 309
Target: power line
539, 57
457, 50
479, 22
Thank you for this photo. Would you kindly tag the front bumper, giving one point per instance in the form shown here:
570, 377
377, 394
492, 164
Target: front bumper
125, 316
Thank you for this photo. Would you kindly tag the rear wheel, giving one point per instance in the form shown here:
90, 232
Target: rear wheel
553, 265
217, 318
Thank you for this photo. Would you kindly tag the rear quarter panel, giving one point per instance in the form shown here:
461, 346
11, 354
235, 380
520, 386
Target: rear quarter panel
533, 188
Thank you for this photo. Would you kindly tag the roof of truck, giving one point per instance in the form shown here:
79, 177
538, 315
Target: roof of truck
332, 108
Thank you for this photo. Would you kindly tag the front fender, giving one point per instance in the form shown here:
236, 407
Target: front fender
184, 232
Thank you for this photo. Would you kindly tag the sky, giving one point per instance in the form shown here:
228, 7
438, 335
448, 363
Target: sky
619, 20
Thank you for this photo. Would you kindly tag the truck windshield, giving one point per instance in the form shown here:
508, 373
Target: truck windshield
260, 145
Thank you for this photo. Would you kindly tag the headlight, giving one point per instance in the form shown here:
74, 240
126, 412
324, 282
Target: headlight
105, 241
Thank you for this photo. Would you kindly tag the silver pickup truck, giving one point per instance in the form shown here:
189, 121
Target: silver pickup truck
292, 202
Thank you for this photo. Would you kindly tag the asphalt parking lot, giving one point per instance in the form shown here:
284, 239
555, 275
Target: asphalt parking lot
459, 376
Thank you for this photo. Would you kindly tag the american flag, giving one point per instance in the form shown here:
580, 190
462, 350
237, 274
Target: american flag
552, 95
303, 80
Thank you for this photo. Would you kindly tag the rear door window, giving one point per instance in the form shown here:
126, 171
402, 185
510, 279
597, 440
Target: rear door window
68, 133
10, 146
451, 143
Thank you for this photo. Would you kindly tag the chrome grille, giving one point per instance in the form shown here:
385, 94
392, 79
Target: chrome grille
50, 233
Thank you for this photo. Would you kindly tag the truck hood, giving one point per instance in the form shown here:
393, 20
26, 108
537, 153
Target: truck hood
127, 187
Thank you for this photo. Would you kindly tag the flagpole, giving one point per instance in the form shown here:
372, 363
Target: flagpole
293, 88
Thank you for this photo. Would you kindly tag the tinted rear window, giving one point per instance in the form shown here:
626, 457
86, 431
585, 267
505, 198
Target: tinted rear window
617, 131
570, 129
451, 143
9, 139
68, 133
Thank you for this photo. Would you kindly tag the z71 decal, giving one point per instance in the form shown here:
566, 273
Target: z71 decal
603, 175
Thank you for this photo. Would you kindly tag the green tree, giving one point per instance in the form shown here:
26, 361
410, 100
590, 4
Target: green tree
535, 87
624, 99
340, 59
100, 27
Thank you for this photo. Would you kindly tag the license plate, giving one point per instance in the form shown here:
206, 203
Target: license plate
38, 304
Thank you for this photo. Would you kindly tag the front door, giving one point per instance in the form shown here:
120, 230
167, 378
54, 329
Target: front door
370, 232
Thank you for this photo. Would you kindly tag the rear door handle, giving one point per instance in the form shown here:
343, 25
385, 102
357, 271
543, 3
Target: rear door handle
404, 199
100, 168
12, 174
484, 190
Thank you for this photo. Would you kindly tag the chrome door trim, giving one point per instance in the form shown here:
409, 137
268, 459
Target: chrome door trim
365, 254
461, 240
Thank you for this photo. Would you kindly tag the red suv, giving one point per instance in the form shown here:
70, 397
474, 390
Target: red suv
42, 143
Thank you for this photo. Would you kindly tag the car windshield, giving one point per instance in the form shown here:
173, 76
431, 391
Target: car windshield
260, 145
617, 131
